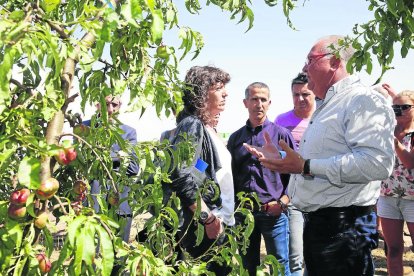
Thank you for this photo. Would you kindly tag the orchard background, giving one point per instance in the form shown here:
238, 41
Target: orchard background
46, 45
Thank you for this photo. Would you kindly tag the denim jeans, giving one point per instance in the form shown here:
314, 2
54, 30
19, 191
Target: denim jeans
275, 233
340, 244
295, 241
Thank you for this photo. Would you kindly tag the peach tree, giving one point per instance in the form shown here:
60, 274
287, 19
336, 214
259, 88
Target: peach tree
53, 51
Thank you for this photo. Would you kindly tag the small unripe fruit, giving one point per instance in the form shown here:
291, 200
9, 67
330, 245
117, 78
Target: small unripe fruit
47, 188
113, 198
44, 263
17, 212
41, 220
163, 51
19, 197
80, 187
81, 130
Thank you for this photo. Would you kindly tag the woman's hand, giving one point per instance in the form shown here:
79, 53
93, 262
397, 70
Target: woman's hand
214, 228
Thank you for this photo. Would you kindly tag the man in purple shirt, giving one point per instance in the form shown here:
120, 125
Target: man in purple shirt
297, 120
249, 176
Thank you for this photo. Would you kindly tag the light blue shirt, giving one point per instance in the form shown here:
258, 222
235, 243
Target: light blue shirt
350, 143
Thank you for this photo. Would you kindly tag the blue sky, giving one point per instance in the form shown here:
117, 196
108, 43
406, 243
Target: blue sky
270, 52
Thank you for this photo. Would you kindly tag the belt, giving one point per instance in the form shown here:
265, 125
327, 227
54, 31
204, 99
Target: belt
349, 211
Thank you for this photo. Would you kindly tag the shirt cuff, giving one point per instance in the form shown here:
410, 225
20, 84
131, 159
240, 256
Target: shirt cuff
318, 167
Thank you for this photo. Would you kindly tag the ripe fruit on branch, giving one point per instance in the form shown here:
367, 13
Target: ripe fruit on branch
17, 212
67, 154
44, 263
113, 198
47, 188
19, 197
41, 220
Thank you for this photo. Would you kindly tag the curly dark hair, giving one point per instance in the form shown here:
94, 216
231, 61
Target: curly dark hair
197, 83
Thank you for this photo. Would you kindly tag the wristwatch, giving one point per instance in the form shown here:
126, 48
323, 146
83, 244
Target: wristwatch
307, 174
203, 216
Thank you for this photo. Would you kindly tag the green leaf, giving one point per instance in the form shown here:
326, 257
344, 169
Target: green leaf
49, 5
5, 75
88, 233
157, 26
199, 234
5, 156
48, 241
107, 250
29, 172
30, 207
79, 245
17, 15
73, 229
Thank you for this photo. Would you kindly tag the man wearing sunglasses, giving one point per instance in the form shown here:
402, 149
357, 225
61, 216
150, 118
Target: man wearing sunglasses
346, 149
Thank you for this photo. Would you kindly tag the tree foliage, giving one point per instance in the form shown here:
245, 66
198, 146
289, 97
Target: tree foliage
114, 47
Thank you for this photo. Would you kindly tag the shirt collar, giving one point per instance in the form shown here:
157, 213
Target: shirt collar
258, 128
339, 87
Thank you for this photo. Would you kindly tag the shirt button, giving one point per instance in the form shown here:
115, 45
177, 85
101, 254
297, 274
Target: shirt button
304, 141
311, 122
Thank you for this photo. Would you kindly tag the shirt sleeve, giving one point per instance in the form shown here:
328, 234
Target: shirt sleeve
368, 133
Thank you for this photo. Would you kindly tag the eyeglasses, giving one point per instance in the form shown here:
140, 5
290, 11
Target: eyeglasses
314, 58
403, 107
399, 108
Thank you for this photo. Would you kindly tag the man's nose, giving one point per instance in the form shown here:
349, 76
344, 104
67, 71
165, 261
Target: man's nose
305, 68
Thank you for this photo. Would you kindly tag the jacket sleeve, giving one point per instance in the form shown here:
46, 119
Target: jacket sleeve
182, 178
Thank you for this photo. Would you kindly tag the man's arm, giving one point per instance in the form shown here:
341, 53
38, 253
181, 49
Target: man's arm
369, 135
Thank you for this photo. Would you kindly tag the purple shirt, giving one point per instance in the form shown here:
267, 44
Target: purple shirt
248, 174
296, 125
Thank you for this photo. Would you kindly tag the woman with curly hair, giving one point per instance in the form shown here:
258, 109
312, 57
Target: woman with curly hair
396, 203
209, 176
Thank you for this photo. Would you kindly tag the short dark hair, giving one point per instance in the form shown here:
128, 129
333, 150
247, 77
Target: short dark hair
301, 78
256, 84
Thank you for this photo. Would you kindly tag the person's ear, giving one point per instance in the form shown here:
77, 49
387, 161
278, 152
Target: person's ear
245, 103
98, 106
335, 62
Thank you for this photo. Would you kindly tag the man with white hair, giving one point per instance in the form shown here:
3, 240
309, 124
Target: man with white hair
346, 149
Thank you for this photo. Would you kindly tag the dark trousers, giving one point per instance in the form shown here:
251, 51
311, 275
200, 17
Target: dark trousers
338, 241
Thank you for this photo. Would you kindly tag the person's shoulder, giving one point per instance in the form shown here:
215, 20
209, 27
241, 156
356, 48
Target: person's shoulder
191, 125
127, 128
86, 122
366, 95
283, 116
235, 136
278, 129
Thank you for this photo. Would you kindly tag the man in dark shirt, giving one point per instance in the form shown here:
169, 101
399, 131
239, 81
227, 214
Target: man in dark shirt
249, 176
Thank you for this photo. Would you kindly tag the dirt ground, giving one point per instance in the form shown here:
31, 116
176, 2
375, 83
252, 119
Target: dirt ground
381, 262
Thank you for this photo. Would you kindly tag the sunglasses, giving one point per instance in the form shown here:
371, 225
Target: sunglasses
399, 108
